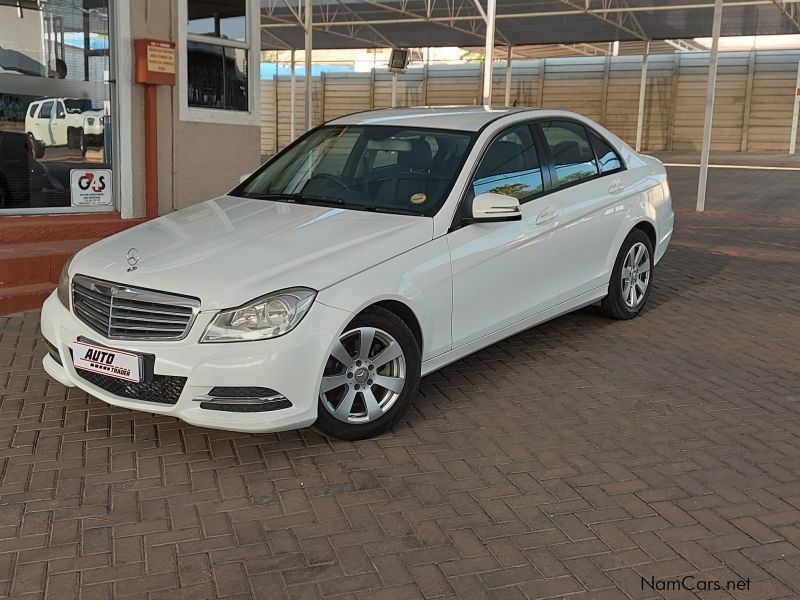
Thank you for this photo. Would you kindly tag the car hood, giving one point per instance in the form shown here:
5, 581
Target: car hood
229, 250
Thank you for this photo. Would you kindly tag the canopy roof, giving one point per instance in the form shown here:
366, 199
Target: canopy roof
423, 23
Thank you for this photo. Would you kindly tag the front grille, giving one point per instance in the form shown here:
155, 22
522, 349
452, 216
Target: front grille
121, 312
164, 389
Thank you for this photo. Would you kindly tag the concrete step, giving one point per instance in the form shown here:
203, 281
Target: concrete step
37, 262
49, 228
24, 297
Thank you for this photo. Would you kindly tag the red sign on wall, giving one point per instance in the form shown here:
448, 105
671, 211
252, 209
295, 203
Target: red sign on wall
155, 62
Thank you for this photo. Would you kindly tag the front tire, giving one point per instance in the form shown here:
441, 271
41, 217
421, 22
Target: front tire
631, 278
370, 378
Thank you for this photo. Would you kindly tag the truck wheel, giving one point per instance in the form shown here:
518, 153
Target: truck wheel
82, 146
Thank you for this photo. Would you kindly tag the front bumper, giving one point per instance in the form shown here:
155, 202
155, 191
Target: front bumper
291, 364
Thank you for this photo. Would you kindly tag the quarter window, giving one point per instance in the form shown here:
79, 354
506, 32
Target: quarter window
572, 153
510, 166
608, 159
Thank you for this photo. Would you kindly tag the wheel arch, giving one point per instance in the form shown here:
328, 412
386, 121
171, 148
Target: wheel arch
404, 312
649, 229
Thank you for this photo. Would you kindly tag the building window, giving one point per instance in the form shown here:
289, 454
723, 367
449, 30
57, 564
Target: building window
219, 79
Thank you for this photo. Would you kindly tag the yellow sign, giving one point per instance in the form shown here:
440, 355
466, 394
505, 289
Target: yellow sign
160, 59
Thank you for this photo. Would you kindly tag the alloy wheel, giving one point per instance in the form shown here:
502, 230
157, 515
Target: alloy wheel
364, 375
635, 275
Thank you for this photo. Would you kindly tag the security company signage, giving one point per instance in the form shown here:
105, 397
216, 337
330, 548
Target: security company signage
155, 62
90, 187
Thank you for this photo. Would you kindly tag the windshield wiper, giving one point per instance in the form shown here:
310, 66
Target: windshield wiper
295, 198
394, 211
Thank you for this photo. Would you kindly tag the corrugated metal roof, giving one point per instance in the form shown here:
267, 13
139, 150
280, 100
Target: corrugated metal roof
422, 23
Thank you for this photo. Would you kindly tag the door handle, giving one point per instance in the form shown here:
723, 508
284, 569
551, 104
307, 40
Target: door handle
615, 186
548, 214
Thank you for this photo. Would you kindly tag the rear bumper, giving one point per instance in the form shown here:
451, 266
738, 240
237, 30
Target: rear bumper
665, 228
291, 364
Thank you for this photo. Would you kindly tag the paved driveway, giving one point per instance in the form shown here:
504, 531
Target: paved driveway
585, 457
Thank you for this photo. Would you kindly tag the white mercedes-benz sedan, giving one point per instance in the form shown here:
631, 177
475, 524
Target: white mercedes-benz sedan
375, 249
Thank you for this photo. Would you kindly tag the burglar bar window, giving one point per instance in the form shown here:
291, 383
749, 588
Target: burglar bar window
217, 49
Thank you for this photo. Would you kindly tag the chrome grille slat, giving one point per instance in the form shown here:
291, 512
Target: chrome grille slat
152, 319
140, 328
98, 306
92, 295
97, 313
159, 311
118, 311
90, 319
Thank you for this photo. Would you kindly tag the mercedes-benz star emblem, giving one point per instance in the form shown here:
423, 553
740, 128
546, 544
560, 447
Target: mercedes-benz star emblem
133, 259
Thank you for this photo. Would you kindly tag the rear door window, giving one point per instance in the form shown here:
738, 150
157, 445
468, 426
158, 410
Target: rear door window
573, 156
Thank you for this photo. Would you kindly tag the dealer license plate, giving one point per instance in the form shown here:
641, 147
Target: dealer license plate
107, 361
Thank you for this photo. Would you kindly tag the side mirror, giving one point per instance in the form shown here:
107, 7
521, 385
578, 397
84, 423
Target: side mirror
243, 177
491, 208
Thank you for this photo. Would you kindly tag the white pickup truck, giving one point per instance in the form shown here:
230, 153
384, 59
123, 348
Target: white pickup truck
54, 122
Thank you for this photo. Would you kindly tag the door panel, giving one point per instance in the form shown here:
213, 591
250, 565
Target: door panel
504, 272
592, 202
59, 124
44, 130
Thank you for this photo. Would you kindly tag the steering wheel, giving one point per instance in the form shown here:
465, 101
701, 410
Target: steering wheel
337, 181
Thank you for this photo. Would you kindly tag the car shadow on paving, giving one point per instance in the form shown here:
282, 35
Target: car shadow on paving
575, 459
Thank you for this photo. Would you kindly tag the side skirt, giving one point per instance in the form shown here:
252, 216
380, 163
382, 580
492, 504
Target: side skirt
442, 360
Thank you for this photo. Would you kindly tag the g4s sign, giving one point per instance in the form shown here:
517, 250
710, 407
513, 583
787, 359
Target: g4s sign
88, 180
91, 187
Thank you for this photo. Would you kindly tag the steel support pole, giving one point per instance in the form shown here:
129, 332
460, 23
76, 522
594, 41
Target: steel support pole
292, 100
507, 101
491, 12
642, 96
309, 44
795, 114
712, 86
394, 89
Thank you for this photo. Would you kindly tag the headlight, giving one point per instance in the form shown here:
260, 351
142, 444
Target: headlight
266, 317
63, 284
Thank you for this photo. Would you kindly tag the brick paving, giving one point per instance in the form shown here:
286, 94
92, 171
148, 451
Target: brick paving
571, 460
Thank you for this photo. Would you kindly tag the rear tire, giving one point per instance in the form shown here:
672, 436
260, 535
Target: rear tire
370, 378
631, 278
82, 145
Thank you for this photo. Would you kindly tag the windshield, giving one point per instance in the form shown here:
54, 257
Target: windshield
76, 106
368, 167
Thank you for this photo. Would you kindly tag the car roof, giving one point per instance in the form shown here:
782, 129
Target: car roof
461, 118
